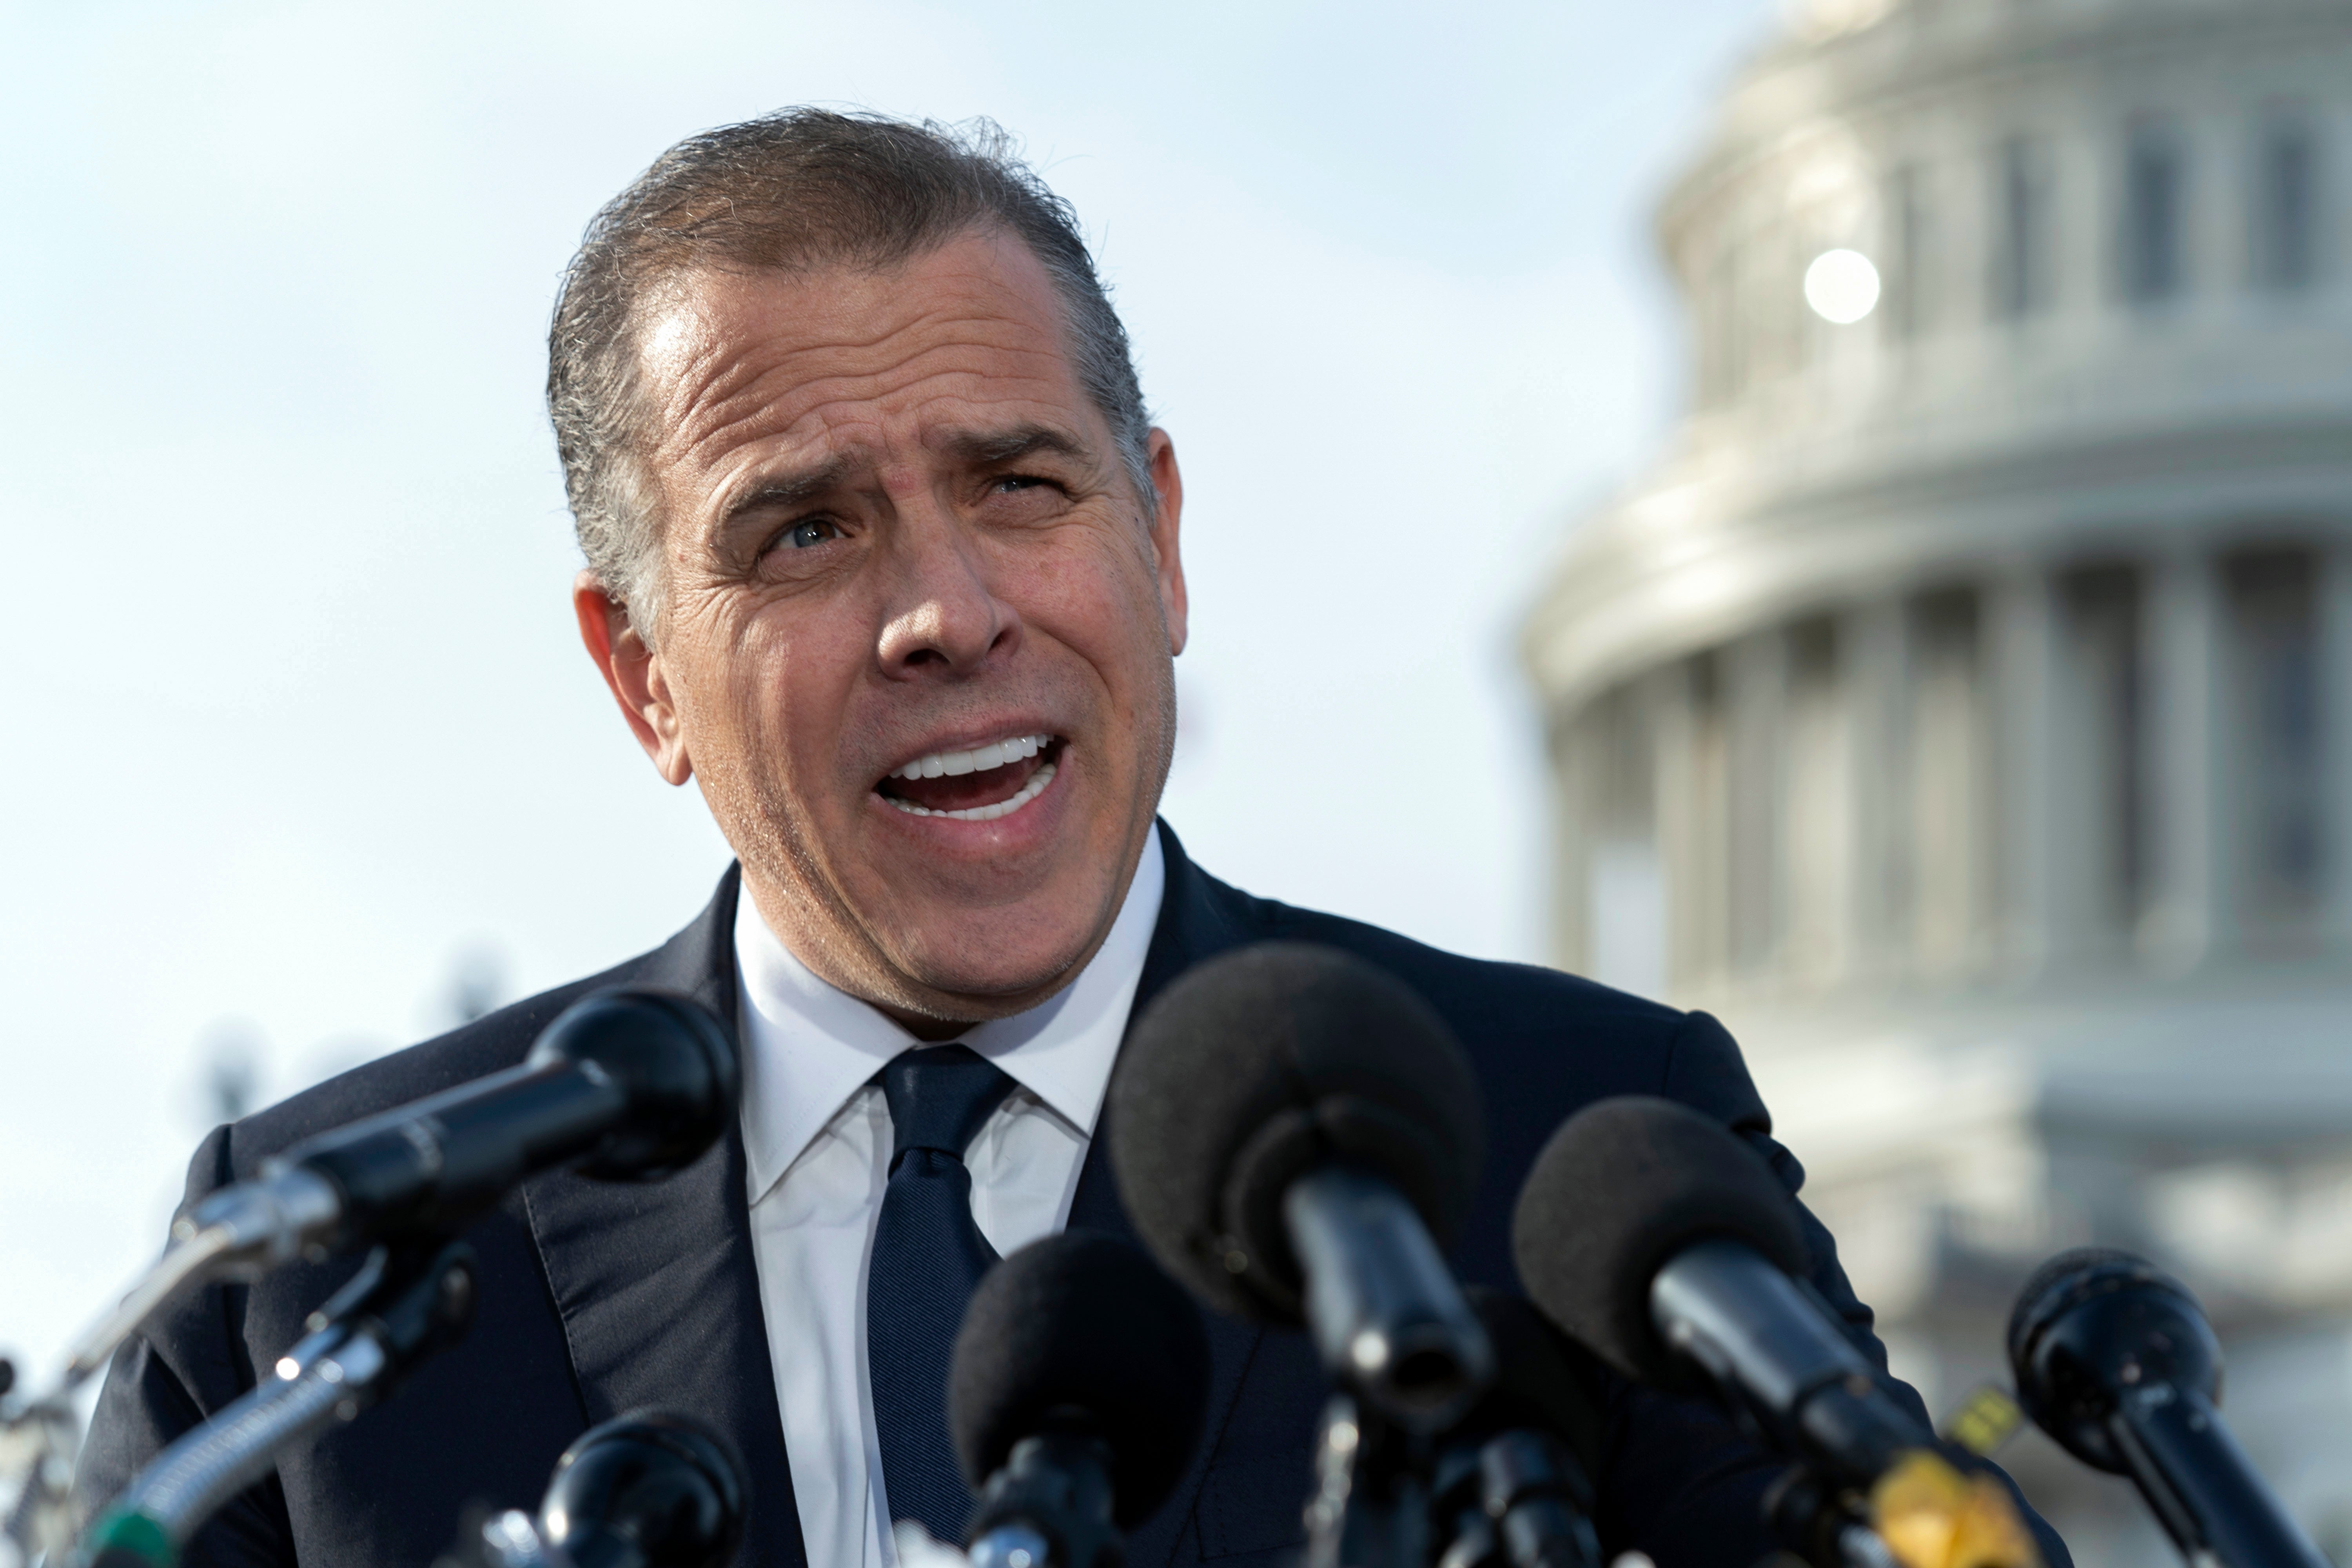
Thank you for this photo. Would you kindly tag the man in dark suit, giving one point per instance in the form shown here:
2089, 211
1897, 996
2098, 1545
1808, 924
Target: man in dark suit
882, 553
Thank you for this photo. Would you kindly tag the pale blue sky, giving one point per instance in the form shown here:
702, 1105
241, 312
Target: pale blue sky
299, 715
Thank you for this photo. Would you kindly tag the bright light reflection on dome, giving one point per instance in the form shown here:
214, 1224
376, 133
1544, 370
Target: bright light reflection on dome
1842, 286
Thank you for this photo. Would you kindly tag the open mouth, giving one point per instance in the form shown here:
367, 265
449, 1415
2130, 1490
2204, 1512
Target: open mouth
979, 786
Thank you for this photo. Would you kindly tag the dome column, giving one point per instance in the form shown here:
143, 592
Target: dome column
1572, 830
2031, 876
1687, 779
1875, 640
1757, 714
2191, 911
2336, 738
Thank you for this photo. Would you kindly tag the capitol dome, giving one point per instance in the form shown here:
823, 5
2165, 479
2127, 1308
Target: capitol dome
1962, 705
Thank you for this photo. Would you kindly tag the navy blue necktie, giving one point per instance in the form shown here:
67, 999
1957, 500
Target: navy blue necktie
928, 1255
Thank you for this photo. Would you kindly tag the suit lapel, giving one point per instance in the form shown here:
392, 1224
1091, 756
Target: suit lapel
1199, 919
656, 1283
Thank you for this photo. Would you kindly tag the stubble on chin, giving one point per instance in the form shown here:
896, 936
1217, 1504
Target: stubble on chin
799, 894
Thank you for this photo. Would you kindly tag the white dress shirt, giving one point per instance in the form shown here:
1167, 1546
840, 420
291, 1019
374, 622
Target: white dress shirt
816, 1137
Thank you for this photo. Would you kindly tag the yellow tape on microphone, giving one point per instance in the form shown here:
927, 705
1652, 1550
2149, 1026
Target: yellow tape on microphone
1932, 1516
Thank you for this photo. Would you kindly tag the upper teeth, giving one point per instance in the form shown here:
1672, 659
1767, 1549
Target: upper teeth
948, 765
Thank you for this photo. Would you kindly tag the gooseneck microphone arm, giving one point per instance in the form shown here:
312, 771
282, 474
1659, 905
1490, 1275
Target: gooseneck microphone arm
400, 1308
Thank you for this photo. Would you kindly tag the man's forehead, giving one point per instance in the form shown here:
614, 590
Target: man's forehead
985, 285
976, 321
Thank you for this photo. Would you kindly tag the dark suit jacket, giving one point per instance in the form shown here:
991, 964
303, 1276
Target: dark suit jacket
596, 1296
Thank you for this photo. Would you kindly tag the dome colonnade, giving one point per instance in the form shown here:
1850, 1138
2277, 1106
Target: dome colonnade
2010, 626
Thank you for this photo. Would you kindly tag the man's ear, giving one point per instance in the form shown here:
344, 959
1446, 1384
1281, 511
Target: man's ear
1170, 484
633, 671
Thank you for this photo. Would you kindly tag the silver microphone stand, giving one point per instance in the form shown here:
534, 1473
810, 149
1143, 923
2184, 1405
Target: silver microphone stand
400, 1308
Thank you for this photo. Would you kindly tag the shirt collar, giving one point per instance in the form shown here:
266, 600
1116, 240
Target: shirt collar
808, 1046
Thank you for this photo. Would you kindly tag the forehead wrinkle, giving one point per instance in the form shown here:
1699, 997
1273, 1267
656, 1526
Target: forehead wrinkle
816, 403
1008, 430
817, 369
704, 380
738, 383
976, 321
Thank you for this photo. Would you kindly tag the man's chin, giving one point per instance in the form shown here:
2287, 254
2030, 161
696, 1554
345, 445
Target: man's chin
976, 992
991, 968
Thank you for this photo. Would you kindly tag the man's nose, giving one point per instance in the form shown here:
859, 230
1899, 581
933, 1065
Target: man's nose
942, 616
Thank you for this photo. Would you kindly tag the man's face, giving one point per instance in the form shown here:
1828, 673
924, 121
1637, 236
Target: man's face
898, 541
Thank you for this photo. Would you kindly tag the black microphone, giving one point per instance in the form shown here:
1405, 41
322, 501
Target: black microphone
1075, 1396
2116, 1361
649, 1488
1659, 1239
628, 1084
1512, 1486
1295, 1134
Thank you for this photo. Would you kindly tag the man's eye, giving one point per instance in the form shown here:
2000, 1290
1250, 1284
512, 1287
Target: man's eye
816, 530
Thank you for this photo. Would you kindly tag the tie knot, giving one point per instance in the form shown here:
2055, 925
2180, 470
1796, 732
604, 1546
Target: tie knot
939, 1095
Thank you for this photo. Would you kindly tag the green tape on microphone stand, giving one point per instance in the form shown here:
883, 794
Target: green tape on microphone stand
131, 1541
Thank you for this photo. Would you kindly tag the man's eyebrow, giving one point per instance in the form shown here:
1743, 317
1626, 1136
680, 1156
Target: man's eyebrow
782, 491
988, 448
794, 487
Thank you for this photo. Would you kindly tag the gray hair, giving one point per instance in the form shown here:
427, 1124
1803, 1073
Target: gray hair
797, 189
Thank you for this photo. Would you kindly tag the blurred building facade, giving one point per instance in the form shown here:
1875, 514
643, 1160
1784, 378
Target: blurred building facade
1962, 707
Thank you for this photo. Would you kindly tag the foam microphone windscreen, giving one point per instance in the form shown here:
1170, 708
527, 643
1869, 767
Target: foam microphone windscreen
1543, 1379
1081, 1332
1261, 1065
1623, 1187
